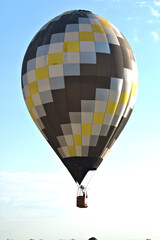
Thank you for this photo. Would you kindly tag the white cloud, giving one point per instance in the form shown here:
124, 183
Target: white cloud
26, 195
155, 36
156, 3
154, 12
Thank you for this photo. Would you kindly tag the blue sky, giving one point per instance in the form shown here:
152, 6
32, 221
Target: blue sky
37, 194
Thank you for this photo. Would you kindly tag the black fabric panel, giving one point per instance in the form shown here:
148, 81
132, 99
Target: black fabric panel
72, 89
117, 61
104, 65
126, 58
87, 69
88, 88
127, 53
53, 121
103, 82
60, 101
79, 166
125, 43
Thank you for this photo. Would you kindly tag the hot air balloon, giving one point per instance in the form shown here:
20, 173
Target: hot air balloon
80, 80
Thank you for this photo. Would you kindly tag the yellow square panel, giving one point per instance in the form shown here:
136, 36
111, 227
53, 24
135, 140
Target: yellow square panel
72, 151
97, 28
33, 88
98, 118
42, 73
86, 128
124, 98
105, 23
86, 36
55, 58
111, 107
30, 102
77, 140
133, 89
33, 117
71, 46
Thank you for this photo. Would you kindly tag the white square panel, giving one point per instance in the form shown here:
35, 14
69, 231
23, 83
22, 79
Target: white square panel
85, 28
71, 57
56, 70
69, 140
71, 36
96, 128
56, 47
100, 106
78, 150
36, 99
76, 128
43, 85
87, 117
100, 37
31, 76
87, 46
85, 140
42, 61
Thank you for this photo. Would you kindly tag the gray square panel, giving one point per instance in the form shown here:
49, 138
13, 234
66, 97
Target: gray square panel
62, 141
75, 117
84, 20
87, 105
93, 140
72, 28
42, 50
66, 129
46, 97
26, 92
102, 47
88, 57
31, 64
85, 151
57, 37
40, 123
102, 94
116, 84
57, 83
40, 110
25, 79
104, 130
71, 69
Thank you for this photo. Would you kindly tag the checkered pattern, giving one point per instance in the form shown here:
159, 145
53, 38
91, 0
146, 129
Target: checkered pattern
80, 80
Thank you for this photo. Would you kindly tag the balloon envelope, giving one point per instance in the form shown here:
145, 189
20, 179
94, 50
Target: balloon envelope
79, 80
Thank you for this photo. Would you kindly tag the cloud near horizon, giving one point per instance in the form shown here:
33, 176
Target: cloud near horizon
31, 195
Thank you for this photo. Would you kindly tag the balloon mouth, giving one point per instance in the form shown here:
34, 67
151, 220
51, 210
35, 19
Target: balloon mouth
79, 166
